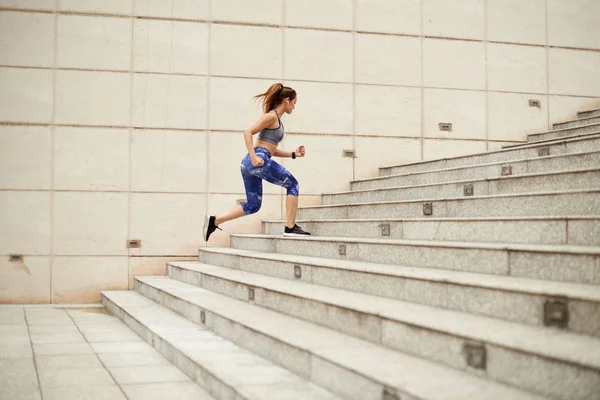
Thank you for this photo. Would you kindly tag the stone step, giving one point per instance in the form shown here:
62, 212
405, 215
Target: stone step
224, 369
561, 133
439, 335
525, 183
589, 113
520, 260
316, 352
577, 122
574, 230
484, 171
574, 202
583, 143
520, 300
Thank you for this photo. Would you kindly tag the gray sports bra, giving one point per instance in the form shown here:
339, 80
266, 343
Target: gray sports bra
273, 136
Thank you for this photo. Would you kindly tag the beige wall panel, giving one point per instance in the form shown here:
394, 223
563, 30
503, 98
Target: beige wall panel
390, 16
465, 109
167, 224
456, 18
81, 279
226, 151
574, 72
233, 96
256, 11
516, 68
168, 161
391, 60
25, 282
170, 46
178, 9
26, 39
25, 229
92, 98
151, 266
26, 95
494, 146
332, 14
169, 101
19, 145
516, 21
511, 118
323, 169
93, 42
378, 152
91, 159
434, 149
318, 55
388, 111
574, 23
90, 223
321, 108
453, 64
29, 4
123, 7
564, 108
241, 51
220, 203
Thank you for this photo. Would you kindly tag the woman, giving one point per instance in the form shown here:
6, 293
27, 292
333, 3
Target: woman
258, 163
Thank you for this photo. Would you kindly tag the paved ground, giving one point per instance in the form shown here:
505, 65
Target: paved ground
80, 352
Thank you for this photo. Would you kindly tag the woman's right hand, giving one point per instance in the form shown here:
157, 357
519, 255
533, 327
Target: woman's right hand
257, 161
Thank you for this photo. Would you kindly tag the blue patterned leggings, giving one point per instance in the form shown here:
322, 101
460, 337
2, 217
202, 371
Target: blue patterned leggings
271, 172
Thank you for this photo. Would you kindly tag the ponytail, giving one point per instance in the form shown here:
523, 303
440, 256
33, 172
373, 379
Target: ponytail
274, 95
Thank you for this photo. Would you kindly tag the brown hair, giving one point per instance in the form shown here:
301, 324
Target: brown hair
274, 95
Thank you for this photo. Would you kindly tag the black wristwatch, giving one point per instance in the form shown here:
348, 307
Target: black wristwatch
293, 155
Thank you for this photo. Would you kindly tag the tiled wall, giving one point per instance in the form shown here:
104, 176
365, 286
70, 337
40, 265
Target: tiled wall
122, 119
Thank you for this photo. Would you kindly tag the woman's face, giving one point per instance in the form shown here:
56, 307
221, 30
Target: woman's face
290, 105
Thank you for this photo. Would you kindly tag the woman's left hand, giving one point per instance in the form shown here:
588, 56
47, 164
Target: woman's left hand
300, 151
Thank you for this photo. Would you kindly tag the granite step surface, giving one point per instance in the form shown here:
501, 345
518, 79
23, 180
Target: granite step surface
435, 334
514, 299
548, 164
527, 150
574, 230
224, 369
385, 190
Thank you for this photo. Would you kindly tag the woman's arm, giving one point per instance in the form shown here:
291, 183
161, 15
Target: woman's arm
280, 153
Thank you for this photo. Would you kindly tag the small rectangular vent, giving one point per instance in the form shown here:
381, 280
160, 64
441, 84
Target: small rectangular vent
349, 153
134, 244
445, 126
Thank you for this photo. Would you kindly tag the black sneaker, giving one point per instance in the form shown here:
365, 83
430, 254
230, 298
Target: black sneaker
209, 227
295, 231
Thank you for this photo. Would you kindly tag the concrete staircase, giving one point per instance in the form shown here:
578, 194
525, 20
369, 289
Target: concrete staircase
474, 277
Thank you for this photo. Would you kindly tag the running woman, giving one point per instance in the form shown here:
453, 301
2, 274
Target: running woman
258, 164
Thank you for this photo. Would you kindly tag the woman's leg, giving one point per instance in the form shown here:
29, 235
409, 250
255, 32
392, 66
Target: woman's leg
253, 186
276, 174
291, 207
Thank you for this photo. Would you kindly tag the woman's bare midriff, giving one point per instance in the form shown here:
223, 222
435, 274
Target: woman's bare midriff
269, 146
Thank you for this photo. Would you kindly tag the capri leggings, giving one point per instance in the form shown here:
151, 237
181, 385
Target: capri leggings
271, 171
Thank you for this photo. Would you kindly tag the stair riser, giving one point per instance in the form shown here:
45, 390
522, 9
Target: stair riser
582, 130
515, 153
575, 232
520, 206
546, 266
588, 114
574, 124
545, 164
300, 361
505, 365
219, 389
511, 306
529, 184
294, 359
